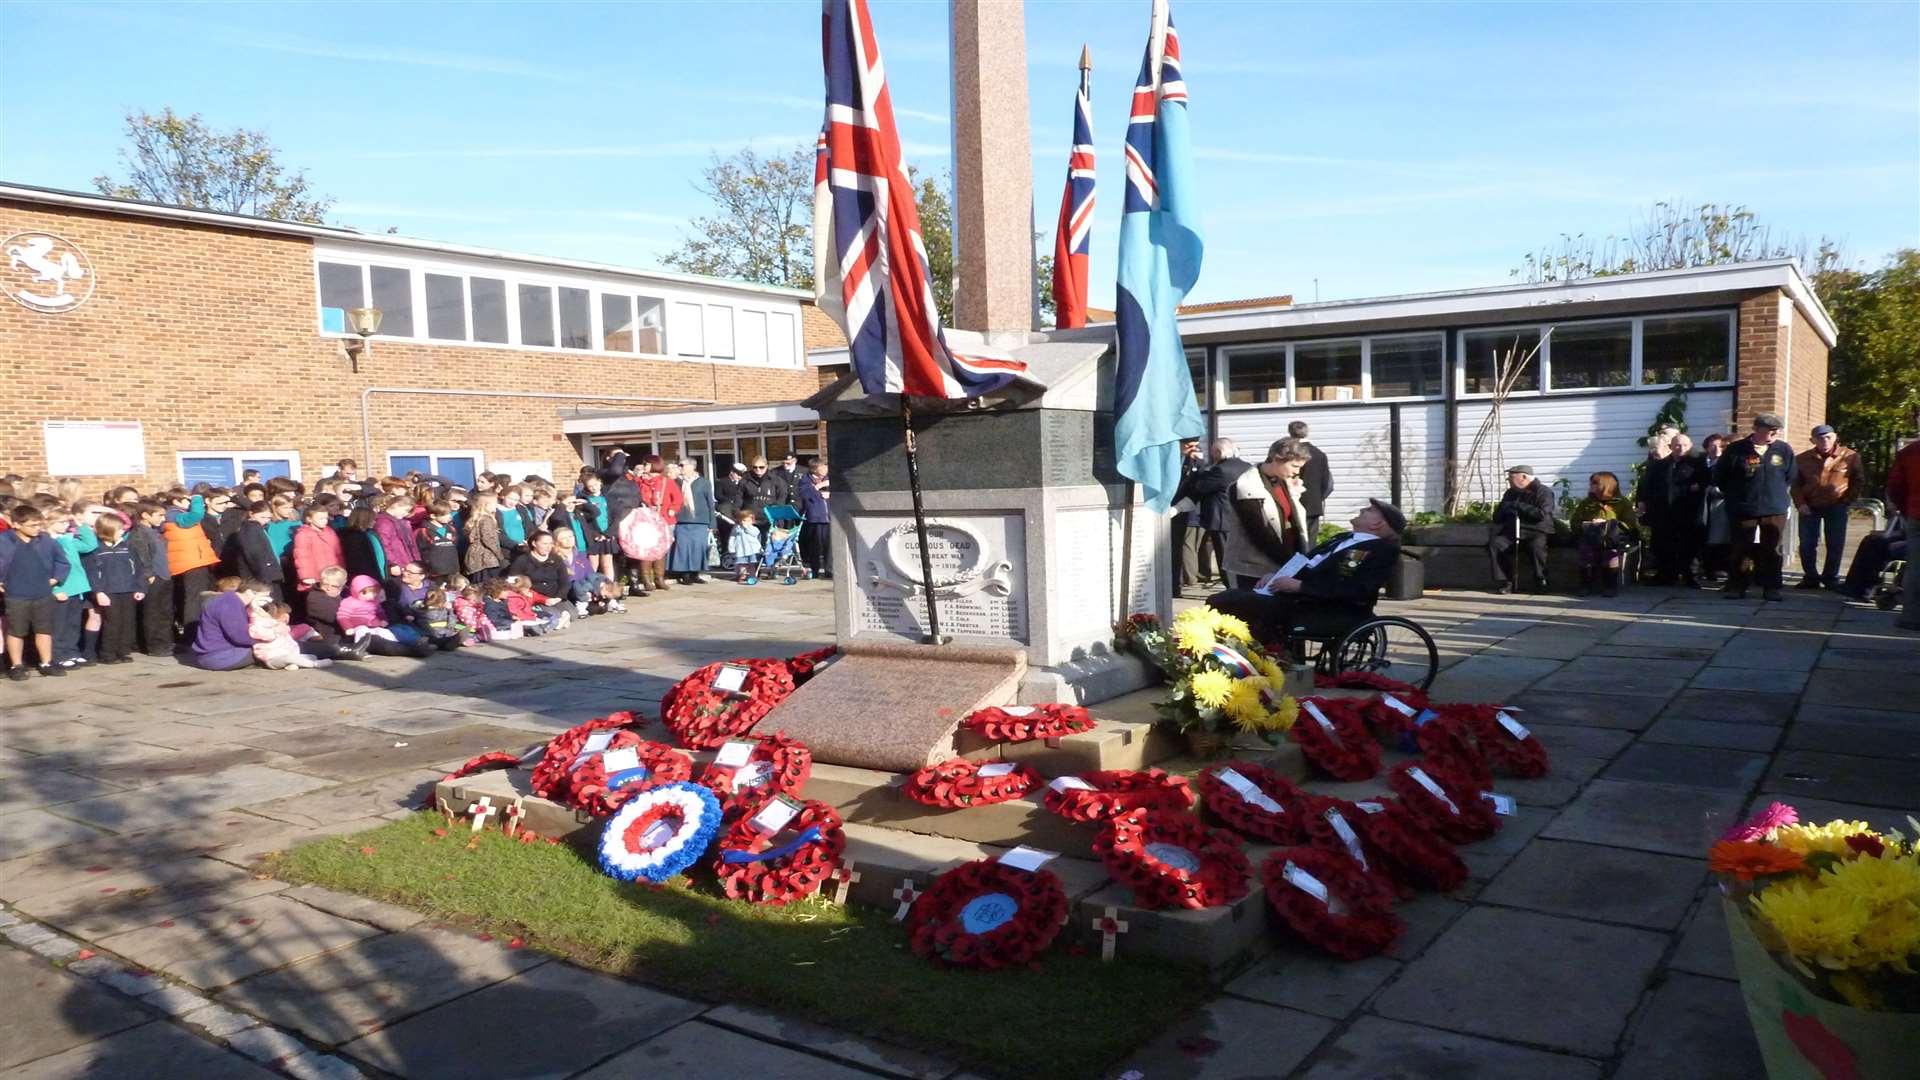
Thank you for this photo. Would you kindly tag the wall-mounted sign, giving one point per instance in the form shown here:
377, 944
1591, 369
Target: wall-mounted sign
95, 447
45, 273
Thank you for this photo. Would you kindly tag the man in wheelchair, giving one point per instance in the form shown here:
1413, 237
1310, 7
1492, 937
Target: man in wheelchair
1340, 578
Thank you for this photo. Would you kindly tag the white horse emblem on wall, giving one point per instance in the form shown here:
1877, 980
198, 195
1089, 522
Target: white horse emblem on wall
45, 272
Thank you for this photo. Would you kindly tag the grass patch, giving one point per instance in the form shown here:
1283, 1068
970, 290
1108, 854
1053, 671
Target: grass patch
851, 969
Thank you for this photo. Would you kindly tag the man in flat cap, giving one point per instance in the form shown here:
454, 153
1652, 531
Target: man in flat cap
1344, 574
1827, 478
1524, 519
1755, 476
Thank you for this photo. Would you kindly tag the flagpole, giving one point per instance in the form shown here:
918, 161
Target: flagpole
933, 635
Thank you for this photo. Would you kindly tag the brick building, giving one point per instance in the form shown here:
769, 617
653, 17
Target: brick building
151, 344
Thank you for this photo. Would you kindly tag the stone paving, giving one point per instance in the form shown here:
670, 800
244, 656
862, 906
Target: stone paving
135, 803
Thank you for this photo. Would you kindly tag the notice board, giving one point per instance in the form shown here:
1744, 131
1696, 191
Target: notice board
95, 447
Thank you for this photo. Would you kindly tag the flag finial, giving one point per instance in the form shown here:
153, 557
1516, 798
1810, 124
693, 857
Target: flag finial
1086, 58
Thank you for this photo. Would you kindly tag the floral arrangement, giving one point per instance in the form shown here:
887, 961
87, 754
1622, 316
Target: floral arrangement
1362, 680
702, 716
1413, 853
1021, 723
1502, 740
1393, 714
551, 773
1330, 901
659, 833
1169, 859
953, 785
1334, 739
1097, 796
598, 788
1254, 801
986, 914
493, 759
1219, 680
1445, 740
778, 764
1332, 825
803, 666
1838, 904
752, 867
1444, 801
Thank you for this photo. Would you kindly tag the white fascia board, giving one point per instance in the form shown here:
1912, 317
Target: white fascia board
779, 412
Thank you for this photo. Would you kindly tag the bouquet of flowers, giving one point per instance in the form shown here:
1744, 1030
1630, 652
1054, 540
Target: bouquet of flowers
1220, 681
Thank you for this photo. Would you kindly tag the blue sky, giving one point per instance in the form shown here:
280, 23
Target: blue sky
1376, 148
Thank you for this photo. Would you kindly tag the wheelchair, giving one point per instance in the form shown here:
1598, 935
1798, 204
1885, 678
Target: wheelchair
1337, 642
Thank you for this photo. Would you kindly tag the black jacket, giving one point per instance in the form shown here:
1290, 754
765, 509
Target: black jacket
726, 494
1210, 488
1317, 474
1674, 488
323, 614
791, 481
1755, 482
250, 554
150, 546
759, 492
115, 570
549, 576
1354, 577
1531, 506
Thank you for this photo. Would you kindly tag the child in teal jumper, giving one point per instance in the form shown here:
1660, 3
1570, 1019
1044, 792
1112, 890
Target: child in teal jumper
72, 528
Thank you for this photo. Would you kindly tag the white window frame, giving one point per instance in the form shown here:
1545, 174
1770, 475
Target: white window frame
1438, 337
1293, 378
720, 317
1545, 358
1729, 315
1223, 370
292, 457
1223, 378
433, 459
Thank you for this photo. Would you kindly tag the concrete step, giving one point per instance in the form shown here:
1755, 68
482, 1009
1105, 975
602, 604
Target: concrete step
886, 857
875, 798
1217, 938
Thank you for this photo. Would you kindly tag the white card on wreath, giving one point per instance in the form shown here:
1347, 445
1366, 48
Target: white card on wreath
1397, 705
998, 768
734, 753
1026, 858
1514, 727
1305, 882
1502, 804
1249, 791
775, 815
1314, 711
595, 743
618, 761
730, 678
1069, 783
1017, 710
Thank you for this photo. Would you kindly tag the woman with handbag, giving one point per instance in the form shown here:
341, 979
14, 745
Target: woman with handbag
1604, 524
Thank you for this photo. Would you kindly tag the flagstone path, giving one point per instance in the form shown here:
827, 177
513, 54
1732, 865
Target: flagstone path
136, 800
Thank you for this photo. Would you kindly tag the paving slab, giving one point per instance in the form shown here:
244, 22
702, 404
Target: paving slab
1689, 766
486, 1032
1426, 917
1491, 678
1621, 712
416, 721
408, 790
1487, 857
1612, 885
1750, 680
1896, 688
49, 1011
27, 788
828, 1042
96, 910
1772, 710
26, 831
1704, 947
349, 992
1665, 818
1377, 1049
1485, 976
417, 751
700, 1049
378, 913
1230, 1039
216, 948
172, 801
1885, 782
1563, 781
1758, 738
1901, 742
157, 1049
1298, 976
1696, 1028
1878, 818
1579, 741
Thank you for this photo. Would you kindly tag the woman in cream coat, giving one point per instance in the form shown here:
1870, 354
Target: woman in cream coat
1269, 523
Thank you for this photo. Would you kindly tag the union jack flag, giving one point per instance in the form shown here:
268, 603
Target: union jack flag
870, 262
1076, 218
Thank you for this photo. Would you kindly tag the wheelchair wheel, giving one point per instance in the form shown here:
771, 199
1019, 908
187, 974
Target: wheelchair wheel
1391, 646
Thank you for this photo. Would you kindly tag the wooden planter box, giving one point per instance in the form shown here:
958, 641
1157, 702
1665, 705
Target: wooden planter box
1455, 557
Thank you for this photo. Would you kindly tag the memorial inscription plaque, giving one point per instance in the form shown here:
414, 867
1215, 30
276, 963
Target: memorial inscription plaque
979, 576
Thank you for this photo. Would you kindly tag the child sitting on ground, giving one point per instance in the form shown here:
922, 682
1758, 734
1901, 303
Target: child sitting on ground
437, 619
360, 616
469, 610
529, 608
592, 593
270, 624
744, 547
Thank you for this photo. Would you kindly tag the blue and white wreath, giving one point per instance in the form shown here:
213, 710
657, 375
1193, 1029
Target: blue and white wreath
660, 832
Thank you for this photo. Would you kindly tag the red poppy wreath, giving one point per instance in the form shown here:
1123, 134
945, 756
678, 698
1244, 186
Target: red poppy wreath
1097, 796
1444, 800
774, 765
1169, 859
986, 914
952, 785
1334, 738
1503, 740
601, 782
783, 866
1393, 714
1415, 854
497, 759
1020, 723
1330, 902
803, 666
709, 706
550, 774
1444, 739
1361, 680
1254, 801
1333, 825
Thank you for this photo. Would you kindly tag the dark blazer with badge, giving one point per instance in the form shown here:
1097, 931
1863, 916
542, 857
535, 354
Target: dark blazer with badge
1756, 481
1354, 577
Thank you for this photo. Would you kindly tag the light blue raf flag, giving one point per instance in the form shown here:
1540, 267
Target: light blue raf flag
1160, 253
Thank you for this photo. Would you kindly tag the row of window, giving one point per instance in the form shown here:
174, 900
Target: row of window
1596, 355
432, 305
225, 468
716, 449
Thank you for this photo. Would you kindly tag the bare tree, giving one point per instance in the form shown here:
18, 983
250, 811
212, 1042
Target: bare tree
1481, 467
183, 162
1670, 237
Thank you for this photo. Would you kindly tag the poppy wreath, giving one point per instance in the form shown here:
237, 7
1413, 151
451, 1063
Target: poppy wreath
1446, 741
802, 667
1021, 723
1414, 853
1446, 802
550, 775
1244, 815
497, 759
1112, 792
779, 765
1361, 680
1330, 902
1387, 722
952, 785
1346, 752
751, 870
1366, 856
659, 833
592, 789
702, 717
985, 914
1169, 859
1503, 741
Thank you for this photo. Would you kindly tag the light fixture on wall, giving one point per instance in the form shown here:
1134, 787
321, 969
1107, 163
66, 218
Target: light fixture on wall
364, 322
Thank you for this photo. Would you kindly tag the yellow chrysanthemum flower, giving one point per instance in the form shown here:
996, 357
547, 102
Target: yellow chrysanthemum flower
1282, 718
1830, 838
1193, 631
1244, 703
1212, 688
1892, 938
1275, 674
1878, 883
1230, 627
1818, 925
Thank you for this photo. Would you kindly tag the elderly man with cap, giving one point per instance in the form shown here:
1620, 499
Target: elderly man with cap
727, 500
1524, 519
1755, 477
1827, 477
1344, 574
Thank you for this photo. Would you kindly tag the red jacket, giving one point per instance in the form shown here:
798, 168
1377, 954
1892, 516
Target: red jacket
1903, 482
660, 493
313, 551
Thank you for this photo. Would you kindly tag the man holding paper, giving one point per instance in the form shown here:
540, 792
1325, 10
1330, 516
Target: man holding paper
1344, 574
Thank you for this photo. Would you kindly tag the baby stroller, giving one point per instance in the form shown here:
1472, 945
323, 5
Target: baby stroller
782, 556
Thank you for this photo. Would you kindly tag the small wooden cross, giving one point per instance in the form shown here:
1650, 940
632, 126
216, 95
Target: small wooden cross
480, 808
844, 876
514, 813
1111, 926
906, 894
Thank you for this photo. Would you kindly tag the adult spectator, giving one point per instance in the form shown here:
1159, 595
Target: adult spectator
1186, 553
659, 492
789, 473
1211, 490
1269, 523
726, 507
1673, 505
760, 489
1903, 494
1827, 478
623, 498
1875, 551
1318, 478
1718, 534
221, 641
692, 525
543, 567
1755, 475
1523, 520
1345, 574
816, 529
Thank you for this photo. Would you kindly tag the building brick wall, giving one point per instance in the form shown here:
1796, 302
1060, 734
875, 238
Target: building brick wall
818, 330
1782, 364
1806, 380
207, 336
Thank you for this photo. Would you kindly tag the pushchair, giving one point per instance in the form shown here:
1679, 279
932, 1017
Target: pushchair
782, 555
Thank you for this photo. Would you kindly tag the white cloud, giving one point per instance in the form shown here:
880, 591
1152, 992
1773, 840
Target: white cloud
664, 149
